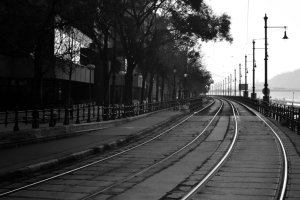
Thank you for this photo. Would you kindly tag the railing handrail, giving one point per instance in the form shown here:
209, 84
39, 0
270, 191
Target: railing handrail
83, 113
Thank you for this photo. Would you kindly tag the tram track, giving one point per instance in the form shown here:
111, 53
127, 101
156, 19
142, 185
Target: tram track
230, 164
139, 191
248, 173
69, 172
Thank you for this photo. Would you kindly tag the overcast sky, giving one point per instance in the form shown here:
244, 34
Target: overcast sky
222, 58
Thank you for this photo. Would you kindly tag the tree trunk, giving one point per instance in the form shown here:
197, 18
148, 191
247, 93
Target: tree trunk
150, 88
113, 88
70, 86
105, 71
157, 88
162, 89
37, 76
145, 74
128, 82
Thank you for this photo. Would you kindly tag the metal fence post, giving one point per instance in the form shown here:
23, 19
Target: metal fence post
6, 118
16, 126
298, 124
98, 113
77, 114
71, 113
51, 121
26, 117
35, 118
293, 119
66, 119
83, 112
89, 114
58, 112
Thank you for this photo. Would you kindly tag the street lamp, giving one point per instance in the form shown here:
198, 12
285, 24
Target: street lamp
228, 92
246, 72
174, 86
91, 68
266, 90
240, 81
234, 82
253, 94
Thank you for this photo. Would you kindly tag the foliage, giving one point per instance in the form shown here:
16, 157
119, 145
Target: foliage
155, 35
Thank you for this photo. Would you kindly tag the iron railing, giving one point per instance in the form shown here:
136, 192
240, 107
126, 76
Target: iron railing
83, 113
286, 115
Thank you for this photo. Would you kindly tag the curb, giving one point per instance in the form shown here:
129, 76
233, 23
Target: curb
46, 165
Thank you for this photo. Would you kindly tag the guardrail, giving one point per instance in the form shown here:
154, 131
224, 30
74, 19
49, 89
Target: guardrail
286, 115
84, 113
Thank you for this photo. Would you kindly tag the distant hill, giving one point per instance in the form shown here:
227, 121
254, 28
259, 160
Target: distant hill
289, 80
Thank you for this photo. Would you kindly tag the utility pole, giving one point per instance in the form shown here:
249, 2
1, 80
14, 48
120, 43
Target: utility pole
225, 87
222, 82
230, 84
253, 95
246, 71
266, 90
240, 81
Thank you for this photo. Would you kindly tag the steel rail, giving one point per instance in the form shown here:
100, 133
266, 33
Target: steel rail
106, 158
218, 165
285, 171
157, 163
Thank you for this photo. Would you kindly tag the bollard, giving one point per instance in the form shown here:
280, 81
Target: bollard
16, 126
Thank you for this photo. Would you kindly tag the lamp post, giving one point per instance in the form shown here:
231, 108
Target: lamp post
246, 72
234, 82
228, 86
266, 90
174, 86
91, 68
223, 88
225, 85
240, 81
253, 94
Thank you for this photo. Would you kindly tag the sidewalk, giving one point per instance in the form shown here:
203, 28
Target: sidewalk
26, 159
